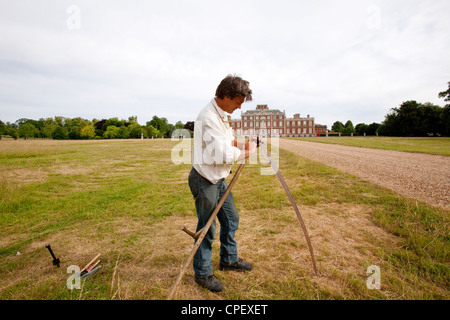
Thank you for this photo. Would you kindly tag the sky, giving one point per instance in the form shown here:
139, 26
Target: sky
334, 60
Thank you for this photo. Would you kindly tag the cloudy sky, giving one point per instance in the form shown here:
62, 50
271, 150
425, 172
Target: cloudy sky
335, 60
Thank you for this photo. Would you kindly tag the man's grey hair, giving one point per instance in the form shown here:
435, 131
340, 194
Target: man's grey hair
234, 86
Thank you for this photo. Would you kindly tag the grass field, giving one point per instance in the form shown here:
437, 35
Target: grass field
432, 145
126, 200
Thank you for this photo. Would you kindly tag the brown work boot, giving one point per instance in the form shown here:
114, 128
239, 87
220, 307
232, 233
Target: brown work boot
239, 265
209, 282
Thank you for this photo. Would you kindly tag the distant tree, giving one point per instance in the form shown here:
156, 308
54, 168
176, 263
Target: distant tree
348, 128
113, 122
14, 133
60, 133
445, 120
414, 119
48, 129
432, 121
87, 132
402, 121
112, 132
445, 115
27, 130
162, 125
136, 130
170, 128
60, 121
337, 127
152, 131
21, 121
372, 129
48, 126
3, 128
79, 128
124, 132
11, 130
445, 94
74, 127
99, 129
361, 128
179, 125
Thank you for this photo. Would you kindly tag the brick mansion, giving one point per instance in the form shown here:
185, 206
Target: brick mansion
272, 122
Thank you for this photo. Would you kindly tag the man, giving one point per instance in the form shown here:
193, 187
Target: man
215, 151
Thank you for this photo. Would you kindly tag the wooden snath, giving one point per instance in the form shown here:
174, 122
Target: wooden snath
204, 230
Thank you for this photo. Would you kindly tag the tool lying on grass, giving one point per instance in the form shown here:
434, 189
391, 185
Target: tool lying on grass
90, 268
89, 273
56, 261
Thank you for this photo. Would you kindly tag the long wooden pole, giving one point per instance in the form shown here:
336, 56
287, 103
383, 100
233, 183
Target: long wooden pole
205, 230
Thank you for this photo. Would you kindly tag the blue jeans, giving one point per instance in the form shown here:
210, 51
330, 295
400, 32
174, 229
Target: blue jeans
207, 196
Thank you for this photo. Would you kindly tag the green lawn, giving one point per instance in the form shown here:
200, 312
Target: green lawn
125, 199
432, 145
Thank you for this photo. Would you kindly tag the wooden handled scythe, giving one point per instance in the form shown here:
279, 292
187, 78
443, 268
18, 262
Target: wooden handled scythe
202, 233
291, 198
199, 236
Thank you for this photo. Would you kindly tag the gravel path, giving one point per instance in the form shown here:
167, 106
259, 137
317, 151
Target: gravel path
420, 176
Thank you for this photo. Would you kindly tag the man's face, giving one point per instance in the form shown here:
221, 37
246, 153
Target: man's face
233, 104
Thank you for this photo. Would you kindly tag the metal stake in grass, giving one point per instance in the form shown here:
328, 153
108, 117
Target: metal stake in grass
204, 230
56, 261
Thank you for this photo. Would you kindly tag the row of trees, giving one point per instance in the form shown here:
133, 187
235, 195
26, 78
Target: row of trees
359, 129
410, 119
417, 119
61, 128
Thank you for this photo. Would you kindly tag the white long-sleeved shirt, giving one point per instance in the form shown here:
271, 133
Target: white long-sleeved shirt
214, 153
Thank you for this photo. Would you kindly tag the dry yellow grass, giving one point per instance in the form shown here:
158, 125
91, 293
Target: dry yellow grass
125, 200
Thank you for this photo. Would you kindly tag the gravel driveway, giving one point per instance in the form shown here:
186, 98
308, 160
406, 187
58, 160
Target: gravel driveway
420, 176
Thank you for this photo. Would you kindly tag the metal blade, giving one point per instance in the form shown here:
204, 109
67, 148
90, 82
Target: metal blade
275, 168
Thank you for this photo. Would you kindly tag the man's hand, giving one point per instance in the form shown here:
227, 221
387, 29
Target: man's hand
257, 140
247, 149
252, 145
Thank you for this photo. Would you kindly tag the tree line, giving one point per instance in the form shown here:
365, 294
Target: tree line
411, 119
62, 128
